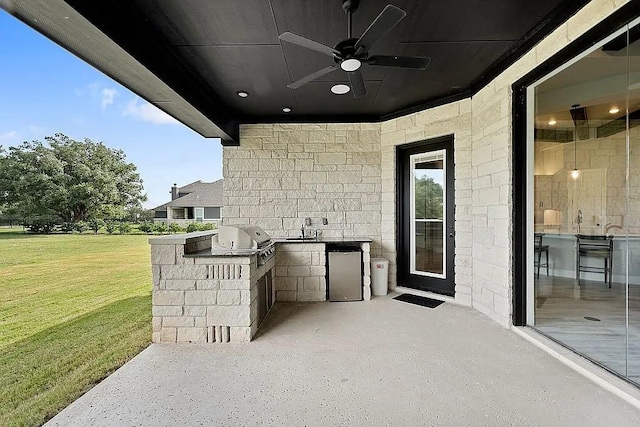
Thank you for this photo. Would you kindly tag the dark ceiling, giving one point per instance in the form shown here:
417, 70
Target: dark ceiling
206, 50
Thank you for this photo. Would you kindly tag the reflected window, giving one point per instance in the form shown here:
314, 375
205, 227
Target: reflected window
428, 211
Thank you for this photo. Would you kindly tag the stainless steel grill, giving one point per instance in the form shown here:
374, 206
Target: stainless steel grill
244, 240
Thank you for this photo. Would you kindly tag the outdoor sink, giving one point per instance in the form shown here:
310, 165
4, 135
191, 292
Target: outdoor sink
300, 238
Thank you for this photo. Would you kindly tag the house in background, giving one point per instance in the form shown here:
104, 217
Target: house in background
195, 202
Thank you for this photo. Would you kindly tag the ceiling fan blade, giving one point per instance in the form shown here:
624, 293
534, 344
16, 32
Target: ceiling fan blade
415, 62
357, 84
308, 43
311, 77
388, 18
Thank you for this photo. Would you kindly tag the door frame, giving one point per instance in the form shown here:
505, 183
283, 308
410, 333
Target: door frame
404, 278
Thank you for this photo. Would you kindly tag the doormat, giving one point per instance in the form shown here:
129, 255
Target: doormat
423, 301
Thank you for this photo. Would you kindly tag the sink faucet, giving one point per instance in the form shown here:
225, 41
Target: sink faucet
302, 231
610, 226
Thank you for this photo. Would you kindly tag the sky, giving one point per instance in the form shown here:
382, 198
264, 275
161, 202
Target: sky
45, 89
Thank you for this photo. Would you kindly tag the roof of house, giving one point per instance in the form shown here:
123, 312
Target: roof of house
190, 188
201, 194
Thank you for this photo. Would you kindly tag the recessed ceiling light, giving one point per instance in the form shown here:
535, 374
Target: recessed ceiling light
242, 93
340, 89
350, 64
286, 109
552, 122
614, 110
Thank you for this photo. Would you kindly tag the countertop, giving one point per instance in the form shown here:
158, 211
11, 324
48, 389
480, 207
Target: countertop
356, 239
250, 252
224, 252
572, 236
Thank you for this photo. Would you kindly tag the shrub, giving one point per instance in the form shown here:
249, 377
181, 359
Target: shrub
174, 227
66, 227
80, 227
146, 227
200, 226
95, 224
111, 226
41, 224
160, 227
40, 227
124, 227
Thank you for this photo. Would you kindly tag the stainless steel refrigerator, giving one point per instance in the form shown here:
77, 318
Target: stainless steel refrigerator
345, 274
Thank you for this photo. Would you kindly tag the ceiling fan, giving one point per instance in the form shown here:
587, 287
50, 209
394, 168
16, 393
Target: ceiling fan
351, 53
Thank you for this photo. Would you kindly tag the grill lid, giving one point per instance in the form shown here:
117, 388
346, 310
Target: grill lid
242, 237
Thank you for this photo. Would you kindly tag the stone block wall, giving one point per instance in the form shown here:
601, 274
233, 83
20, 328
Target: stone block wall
204, 299
283, 173
300, 273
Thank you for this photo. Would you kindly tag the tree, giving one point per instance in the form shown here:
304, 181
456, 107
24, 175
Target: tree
428, 198
67, 181
138, 214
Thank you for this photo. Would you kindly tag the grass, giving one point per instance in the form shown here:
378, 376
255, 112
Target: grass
73, 308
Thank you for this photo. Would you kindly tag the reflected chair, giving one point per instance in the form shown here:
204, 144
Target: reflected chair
595, 246
539, 248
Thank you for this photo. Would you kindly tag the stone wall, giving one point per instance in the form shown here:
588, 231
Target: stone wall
283, 173
300, 272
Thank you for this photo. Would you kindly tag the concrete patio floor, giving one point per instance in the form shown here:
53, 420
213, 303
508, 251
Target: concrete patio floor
382, 362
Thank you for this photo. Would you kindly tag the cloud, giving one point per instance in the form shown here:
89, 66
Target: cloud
107, 97
37, 130
8, 137
97, 91
147, 113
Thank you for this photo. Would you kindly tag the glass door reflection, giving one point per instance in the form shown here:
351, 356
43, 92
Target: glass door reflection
428, 210
586, 204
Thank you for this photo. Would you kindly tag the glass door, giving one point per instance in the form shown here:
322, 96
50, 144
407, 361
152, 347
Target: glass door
425, 214
584, 205
199, 214
428, 210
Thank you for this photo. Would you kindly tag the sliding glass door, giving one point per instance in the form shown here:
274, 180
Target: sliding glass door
583, 250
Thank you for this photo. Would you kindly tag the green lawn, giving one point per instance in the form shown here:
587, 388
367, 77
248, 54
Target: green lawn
73, 308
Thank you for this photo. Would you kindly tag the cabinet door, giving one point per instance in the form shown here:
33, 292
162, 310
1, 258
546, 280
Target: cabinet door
262, 298
269, 290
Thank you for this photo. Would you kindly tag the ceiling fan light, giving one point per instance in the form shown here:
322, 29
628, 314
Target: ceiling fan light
350, 64
340, 89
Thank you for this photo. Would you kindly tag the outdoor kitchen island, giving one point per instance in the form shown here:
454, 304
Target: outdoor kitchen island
204, 293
